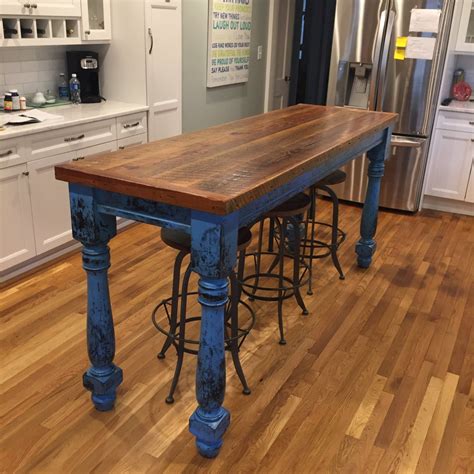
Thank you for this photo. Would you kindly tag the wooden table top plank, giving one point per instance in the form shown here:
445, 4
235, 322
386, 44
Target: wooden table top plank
223, 168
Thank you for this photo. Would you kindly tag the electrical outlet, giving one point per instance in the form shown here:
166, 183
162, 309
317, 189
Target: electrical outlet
259, 52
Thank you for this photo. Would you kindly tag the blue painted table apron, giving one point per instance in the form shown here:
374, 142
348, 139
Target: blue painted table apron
213, 256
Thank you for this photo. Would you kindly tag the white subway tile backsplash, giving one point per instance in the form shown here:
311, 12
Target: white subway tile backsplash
31, 69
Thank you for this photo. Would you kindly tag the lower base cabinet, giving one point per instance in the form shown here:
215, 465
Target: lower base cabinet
50, 198
17, 241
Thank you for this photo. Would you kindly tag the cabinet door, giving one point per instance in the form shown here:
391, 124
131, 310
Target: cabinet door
164, 68
17, 242
96, 22
50, 198
450, 164
14, 7
50, 203
465, 36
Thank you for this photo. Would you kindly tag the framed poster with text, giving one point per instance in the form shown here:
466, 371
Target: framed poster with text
228, 56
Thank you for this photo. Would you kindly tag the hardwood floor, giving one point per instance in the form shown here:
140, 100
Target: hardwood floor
378, 377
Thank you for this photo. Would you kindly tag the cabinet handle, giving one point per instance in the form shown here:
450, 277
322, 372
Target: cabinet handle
471, 123
121, 147
33, 5
27, 5
25, 173
130, 125
150, 34
7, 153
78, 158
87, 32
73, 139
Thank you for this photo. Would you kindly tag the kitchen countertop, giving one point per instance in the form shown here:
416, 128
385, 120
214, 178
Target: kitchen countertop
73, 115
458, 106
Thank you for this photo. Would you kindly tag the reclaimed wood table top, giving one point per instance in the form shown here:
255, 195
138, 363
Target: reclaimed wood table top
223, 168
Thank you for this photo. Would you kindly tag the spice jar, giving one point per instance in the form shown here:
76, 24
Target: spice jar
7, 103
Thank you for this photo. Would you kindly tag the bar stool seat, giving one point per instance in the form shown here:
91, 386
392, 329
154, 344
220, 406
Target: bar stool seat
175, 309
337, 177
293, 206
181, 241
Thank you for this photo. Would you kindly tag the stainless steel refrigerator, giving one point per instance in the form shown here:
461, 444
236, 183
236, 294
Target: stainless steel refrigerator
365, 74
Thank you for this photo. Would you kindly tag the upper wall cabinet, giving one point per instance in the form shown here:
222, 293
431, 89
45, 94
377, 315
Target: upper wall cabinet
62, 8
465, 36
96, 23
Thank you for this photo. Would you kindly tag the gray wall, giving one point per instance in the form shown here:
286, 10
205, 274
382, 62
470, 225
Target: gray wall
204, 107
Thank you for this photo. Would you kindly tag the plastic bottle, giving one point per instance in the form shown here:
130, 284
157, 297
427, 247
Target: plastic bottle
75, 89
63, 88
15, 100
7, 104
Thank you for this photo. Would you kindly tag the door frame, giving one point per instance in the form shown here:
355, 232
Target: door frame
273, 12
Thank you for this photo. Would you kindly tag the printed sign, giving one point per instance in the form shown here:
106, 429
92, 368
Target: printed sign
228, 56
424, 20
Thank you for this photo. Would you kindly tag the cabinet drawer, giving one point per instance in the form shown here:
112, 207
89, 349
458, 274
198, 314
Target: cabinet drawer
73, 138
131, 141
456, 121
130, 125
12, 152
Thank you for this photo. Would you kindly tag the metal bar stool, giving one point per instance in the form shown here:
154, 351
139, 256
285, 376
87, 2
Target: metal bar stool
176, 332
314, 248
288, 234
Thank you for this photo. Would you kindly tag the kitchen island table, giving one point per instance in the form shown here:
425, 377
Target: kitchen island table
208, 184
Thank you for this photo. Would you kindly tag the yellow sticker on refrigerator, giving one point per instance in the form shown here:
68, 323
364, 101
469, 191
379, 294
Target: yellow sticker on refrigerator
400, 45
399, 54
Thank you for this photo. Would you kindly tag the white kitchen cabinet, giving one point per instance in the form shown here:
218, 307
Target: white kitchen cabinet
465, 32
17, 243
163, 23
132, 141
50, 197
62, 8
96, 21
450, 164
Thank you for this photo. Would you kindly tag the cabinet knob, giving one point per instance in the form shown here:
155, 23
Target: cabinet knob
27, 5
87, 32
33, 5
471, 123
7, 153
25, 173
121, 147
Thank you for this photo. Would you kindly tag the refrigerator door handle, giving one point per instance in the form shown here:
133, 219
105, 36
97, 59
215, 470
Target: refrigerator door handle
406, 142
385, 53
375, 66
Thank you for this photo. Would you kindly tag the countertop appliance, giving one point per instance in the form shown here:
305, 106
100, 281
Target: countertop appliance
365, 74
86, 65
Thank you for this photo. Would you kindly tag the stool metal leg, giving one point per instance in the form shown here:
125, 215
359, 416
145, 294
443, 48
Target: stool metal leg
182, 335
335, 226
259, 257
234, 320
271, 234
174, 303
282, 229
312, 218
296, 263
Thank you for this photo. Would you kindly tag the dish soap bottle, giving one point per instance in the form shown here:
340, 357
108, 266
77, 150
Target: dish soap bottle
63, 88
75, 89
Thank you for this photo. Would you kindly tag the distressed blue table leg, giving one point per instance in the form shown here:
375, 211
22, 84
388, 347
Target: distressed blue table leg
95, 230
214, 251
366, 246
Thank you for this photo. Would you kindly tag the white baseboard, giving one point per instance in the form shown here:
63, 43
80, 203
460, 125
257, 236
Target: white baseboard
448, 205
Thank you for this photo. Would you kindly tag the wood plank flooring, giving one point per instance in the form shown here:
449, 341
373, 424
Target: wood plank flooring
378, 378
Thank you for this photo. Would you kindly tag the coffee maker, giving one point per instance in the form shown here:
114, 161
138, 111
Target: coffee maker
86, 65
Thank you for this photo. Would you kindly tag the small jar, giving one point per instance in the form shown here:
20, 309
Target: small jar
15, 100
22, 103
7, 103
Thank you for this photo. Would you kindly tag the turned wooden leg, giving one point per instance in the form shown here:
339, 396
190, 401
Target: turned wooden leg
366, 246
95, 230
214, 251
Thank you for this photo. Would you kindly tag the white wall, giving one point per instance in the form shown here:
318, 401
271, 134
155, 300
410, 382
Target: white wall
31, 69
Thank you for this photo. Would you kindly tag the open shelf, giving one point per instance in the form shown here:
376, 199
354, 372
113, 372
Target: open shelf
28, 31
